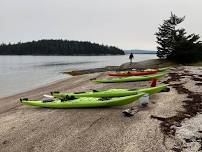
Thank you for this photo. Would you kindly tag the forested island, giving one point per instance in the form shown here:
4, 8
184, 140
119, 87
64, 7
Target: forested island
58, 47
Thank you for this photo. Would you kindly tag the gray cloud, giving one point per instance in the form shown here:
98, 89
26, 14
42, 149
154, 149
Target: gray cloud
123, 23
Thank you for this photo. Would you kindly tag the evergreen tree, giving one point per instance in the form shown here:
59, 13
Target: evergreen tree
166, 35
173, 44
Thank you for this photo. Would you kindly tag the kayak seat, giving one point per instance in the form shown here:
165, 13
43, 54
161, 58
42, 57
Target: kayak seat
95, 90
25, 99
67, 98
54, 92
78, 92
48, 100
93, 79
104, 98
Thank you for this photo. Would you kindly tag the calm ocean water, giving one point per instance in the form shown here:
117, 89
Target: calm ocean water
21, 73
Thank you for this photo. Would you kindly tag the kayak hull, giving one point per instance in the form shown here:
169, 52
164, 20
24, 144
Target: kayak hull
111, 92
163, 69
132, 73
141, 73
132, 78
85, 102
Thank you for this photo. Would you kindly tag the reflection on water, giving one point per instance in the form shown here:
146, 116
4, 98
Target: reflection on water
20, 73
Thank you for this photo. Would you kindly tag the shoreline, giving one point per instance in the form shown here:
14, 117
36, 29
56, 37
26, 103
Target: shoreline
34, 88
81, 72
26, 128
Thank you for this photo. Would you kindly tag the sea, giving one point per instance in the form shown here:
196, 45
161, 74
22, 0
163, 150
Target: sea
23, 73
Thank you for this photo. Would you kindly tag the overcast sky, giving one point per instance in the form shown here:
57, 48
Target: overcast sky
126, 24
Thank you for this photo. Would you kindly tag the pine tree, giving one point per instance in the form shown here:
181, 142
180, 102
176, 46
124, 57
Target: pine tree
166, 35
173, 44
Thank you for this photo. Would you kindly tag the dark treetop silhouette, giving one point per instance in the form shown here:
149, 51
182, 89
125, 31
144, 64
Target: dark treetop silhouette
174, 44
58, 47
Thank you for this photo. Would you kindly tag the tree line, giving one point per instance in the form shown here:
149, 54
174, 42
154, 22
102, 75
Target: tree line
175, 44
58, 47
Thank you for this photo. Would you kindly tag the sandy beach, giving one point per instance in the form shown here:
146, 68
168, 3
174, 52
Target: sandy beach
167, 124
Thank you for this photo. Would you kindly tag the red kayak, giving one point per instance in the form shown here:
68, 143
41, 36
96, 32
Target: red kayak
130, 73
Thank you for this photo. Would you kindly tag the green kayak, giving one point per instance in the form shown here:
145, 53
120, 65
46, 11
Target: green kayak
158, 69
163, 69
83, 102
110, 92
132, 78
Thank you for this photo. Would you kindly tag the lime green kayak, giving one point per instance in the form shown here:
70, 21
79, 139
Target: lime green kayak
110, 92
83, 102
163, 69
159, 69
132, 78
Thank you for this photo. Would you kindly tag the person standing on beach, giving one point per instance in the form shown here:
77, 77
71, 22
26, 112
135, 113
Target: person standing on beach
131, 57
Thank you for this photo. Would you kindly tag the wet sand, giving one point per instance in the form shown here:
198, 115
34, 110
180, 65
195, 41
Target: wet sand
24, 128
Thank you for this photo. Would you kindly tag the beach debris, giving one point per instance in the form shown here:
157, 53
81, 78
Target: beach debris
199, 84
5, 142
130, 112
144, 100
177, 148
186, 124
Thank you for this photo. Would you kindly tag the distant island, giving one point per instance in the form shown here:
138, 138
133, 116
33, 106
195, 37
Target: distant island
136, 51
58, 47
